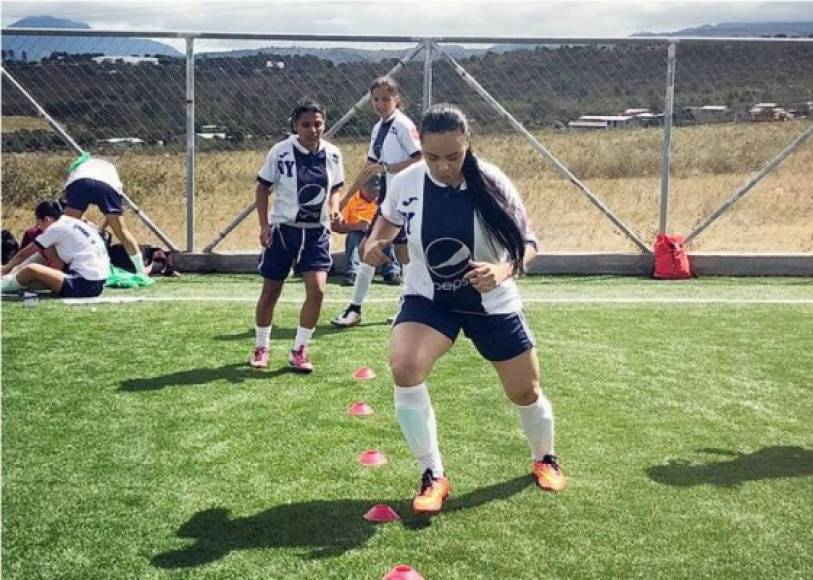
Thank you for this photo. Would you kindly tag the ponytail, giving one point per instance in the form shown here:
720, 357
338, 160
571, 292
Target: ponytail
494, 207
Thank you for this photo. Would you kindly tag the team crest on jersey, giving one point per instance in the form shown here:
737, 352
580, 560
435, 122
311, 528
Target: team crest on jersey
447, 257
311, 199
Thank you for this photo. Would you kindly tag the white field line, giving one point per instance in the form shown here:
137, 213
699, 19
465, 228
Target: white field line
592, 300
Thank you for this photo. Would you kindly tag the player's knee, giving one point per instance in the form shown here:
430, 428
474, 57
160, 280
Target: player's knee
407, 369
525, 395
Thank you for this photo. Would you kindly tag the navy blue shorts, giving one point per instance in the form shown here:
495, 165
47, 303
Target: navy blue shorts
308, 248
74, 286
84, 192
497, 337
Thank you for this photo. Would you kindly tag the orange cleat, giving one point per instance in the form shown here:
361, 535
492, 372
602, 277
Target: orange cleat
548, 474
433, 492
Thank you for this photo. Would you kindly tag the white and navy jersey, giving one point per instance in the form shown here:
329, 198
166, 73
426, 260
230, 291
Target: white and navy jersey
302, 182
97, 169
443, 233
79, 245
393, 140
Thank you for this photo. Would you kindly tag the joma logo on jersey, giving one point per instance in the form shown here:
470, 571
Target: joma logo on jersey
447, 258
285, 167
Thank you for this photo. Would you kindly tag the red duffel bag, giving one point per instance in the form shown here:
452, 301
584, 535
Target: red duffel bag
671, 261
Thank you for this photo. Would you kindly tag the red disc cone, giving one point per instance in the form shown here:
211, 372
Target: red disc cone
359, 409
364, 374
372, 458
381, 513
403, 572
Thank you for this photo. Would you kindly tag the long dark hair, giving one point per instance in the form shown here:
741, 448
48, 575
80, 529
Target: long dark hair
48, 208
490, 200
306, 105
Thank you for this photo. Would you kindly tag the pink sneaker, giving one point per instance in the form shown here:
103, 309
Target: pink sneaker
259, 360
300, 360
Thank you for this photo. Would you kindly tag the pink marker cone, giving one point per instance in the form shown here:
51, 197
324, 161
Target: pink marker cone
372, 458
364, 374
381, 513
359, 409
403, 572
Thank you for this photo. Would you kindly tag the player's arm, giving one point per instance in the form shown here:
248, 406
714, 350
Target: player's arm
261, 195
398, 167
52, 258
19, 257
335, 212
384, 232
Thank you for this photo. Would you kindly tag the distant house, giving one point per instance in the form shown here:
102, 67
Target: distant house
212, 132
587, 125
607, 121
126, 59
278, 64
133, 141
768, 112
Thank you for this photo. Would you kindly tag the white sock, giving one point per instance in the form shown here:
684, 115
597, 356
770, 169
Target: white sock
537, 423
417, 419
303, 336
262, 335
138, 262
364, 277
10, 284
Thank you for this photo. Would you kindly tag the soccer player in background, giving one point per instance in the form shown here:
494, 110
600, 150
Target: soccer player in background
93, 181
468, 236
394, 146
306, 174
76, 252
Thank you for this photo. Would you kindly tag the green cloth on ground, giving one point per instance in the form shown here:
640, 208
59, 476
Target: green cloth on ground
118, 278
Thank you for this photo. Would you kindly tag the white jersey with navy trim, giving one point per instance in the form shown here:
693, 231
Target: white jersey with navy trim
302, 182
99, 170
443, 233
399, 142
79, 245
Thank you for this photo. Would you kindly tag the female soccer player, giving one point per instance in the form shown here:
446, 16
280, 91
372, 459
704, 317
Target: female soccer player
306, 174
468, 236
93, 181
72, 245
394, 146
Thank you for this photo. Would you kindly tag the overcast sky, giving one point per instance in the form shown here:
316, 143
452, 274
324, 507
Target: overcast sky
420, 17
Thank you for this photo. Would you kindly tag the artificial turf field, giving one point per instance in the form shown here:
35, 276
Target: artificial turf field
137, 443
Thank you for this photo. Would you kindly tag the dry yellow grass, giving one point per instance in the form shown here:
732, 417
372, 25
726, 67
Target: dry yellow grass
11, 124
621, 167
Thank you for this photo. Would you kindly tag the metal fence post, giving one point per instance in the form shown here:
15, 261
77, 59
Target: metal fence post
427, 75
190, 144
669, 108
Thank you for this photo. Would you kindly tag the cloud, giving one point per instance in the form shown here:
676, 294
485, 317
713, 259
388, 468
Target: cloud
418, 17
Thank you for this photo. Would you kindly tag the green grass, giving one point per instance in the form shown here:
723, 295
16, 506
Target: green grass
137, 444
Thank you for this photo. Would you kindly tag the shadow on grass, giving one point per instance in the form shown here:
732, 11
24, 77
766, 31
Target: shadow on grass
236, 373
767, 463
326, 528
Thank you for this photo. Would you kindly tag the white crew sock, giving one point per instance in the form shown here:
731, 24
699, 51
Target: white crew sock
303, 336
364, 277
536, 420
262, 335
10, 284
138, 262
417, 419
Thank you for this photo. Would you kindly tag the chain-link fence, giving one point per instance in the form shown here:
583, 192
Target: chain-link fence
584, 127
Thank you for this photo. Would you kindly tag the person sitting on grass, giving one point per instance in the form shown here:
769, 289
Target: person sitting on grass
358, 215
73, 247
